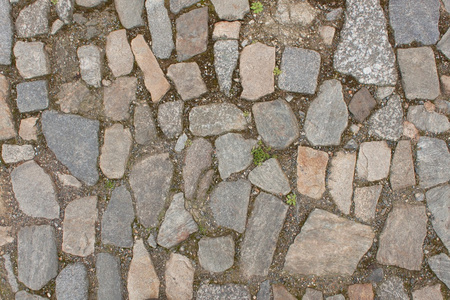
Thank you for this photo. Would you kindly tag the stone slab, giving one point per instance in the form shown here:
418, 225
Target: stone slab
311, 168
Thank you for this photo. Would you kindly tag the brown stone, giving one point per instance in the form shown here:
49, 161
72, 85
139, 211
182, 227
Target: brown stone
7, 130
28, 129
428, 293
192, 33
5, 235
226, 30
374, 160
445, 84
281, 293
366, 199
75, 97
410, 131
340, 180
311, 167
362, 104
118, 52
198, 159
179, 277
402, 169
360, 292
115, 151
188, 80
118, 96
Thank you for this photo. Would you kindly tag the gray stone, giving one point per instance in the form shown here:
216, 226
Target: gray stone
72, 283
334, 14
216, 254
392, 289
216, 119
427, 121
384, 92
178, 224
144, 124
170, 118
440, 265
89, 3
402, 169
374, 159
198, 160
22, 295
366, 199
295, 13
118, 218
234, 153
179, 277
336, 297
226, 54
327, 34
419, 75
312, 294
204, 184
90, 64
444, 43
11, 277
118, 52
7, 129
226, 30
265, 291
6, 32
34, 191
433, 159
33, 19
181, 143
364, 50
300, 70
188, 80
231, 10
402, 237
387, 122
37, 257
75, 97
340, 180
118, 97
362, 104
229, 204
322, 239
64, 9
160, 28
443, 106
74, 141
32, 96
31, 59
15, 153
177, 5
428, 293
276, 123
261, 236
415, 21
107, 269
438, 201
68, 180
281, 293
192, 33
150, 180
130, 12
311, 168
327, 115
115, 151
446, 5
256, 71
56, 26
28, 129
270, 177
222, 292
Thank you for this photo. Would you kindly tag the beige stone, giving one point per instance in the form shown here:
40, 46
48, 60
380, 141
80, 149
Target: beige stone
402, 169
226, 30
428, 293
311, 167
5, 235
28, 129
7, 130
179, 277
374, 159
327, 34
360, 292
115, 151
281, 293
118, 52
340, 181
410, 131
445, 84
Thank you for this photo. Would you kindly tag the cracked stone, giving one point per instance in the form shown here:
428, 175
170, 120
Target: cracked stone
340, 180
366, 199
270, 177
374, 159
433, 159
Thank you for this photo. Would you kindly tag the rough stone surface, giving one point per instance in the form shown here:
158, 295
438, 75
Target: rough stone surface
192, 33
362, 104
68, 180
5, 237
179, 277
431, 292
327, 116
150, 180
440, 265
276, 123
295, 13
392, 289
74, 140
261, 236
198, 159
433, 159
170, 118
215, 119
444, 43
234, 153
281, 293
384, 92
31, 59
312, 294
89, 3
419, 75
226, 30
107, 271
366, 199
216, 254
300, 70
64, 9
402, 169
33, 19
256, 71
328, 244
387, 122
32, 96
115, 151
270, 177
37, 257
265, 291
311, 168
340, 180
160, 28
438, 201
177, 5
188, 80
72, 283
144, 124
181, 143
231, 9
7, 129
34, 191
219, 292
364, 50
360, 292
130, 12
90, 64
154, 79
226, 54
75, 97
15, 153
118, 218
229, 204
427, 121
327, 34
22, 295
374, 159
6, 33
118, 53
415, 21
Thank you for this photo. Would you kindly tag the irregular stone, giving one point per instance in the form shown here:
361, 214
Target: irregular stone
281, 293
198, 159
192, 33
56, 26
79, 226
392, 289
231, 10
384, 92
170, 118
216, 119
234, 153
179, 277
256, 71
360, 292
118, 52
299, 70
366, 199
160, 28
15, 153
428, 293
340, 180
64, 58
32, 96
188, 80
327, 115
362, 104
261, 236
11, 277
34, 191
150, 180
22, 295
33, 19
295, 13
335, 297
311, 167
37, 257
427, 121
438, 200
374, 159
410, 131
31, 59
440, 265
419, 75
130, 12
226, 30
216, 254
226, 54
433, 159
144, 125
181, 143
334, 14
276, 123
154, 79
72, 282
387, 122
117, 219
73, 96
107, 271
402, 169
143, 282
364, 50
89, 3
118, 96
64, 9
327, 34
324, 237
204, 184
312, 294
74, 141
414, 21
265, 291
177, 5
445, 84
229, 204
7, 129
68, 180
219, 292
115, 151
5, 237
90, 64
444, 43
270, 177
6, 32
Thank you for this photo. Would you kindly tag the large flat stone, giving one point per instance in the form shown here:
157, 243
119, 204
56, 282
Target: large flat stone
90, 57
107, 270
116, 149
340, 180
7, 129
179, 277
188, 80
374, 159
428, 120
72, 282
118, 53
231, 9
270, 177
311, 168
366, 199
118, 97
198, 160
216, 254
402, 170
226, 54
387, 122
438, 201
433, 159
32, 96
130, 12
33, 19
31, 59
440, 265
220, 292
192, 33
6, 32
160, 28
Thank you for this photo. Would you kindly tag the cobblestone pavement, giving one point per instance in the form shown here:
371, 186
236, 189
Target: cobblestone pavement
224, 149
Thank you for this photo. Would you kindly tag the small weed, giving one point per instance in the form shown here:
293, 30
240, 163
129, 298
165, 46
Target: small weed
109, 185
277, 71
257, 7
188, 143
54, 2
291, 199
246, 114
201, 229
260, 153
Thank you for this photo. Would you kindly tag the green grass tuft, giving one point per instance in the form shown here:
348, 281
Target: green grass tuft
257, 7
291, 199
260, 153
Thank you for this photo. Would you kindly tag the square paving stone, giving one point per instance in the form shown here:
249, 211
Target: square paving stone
32, 96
